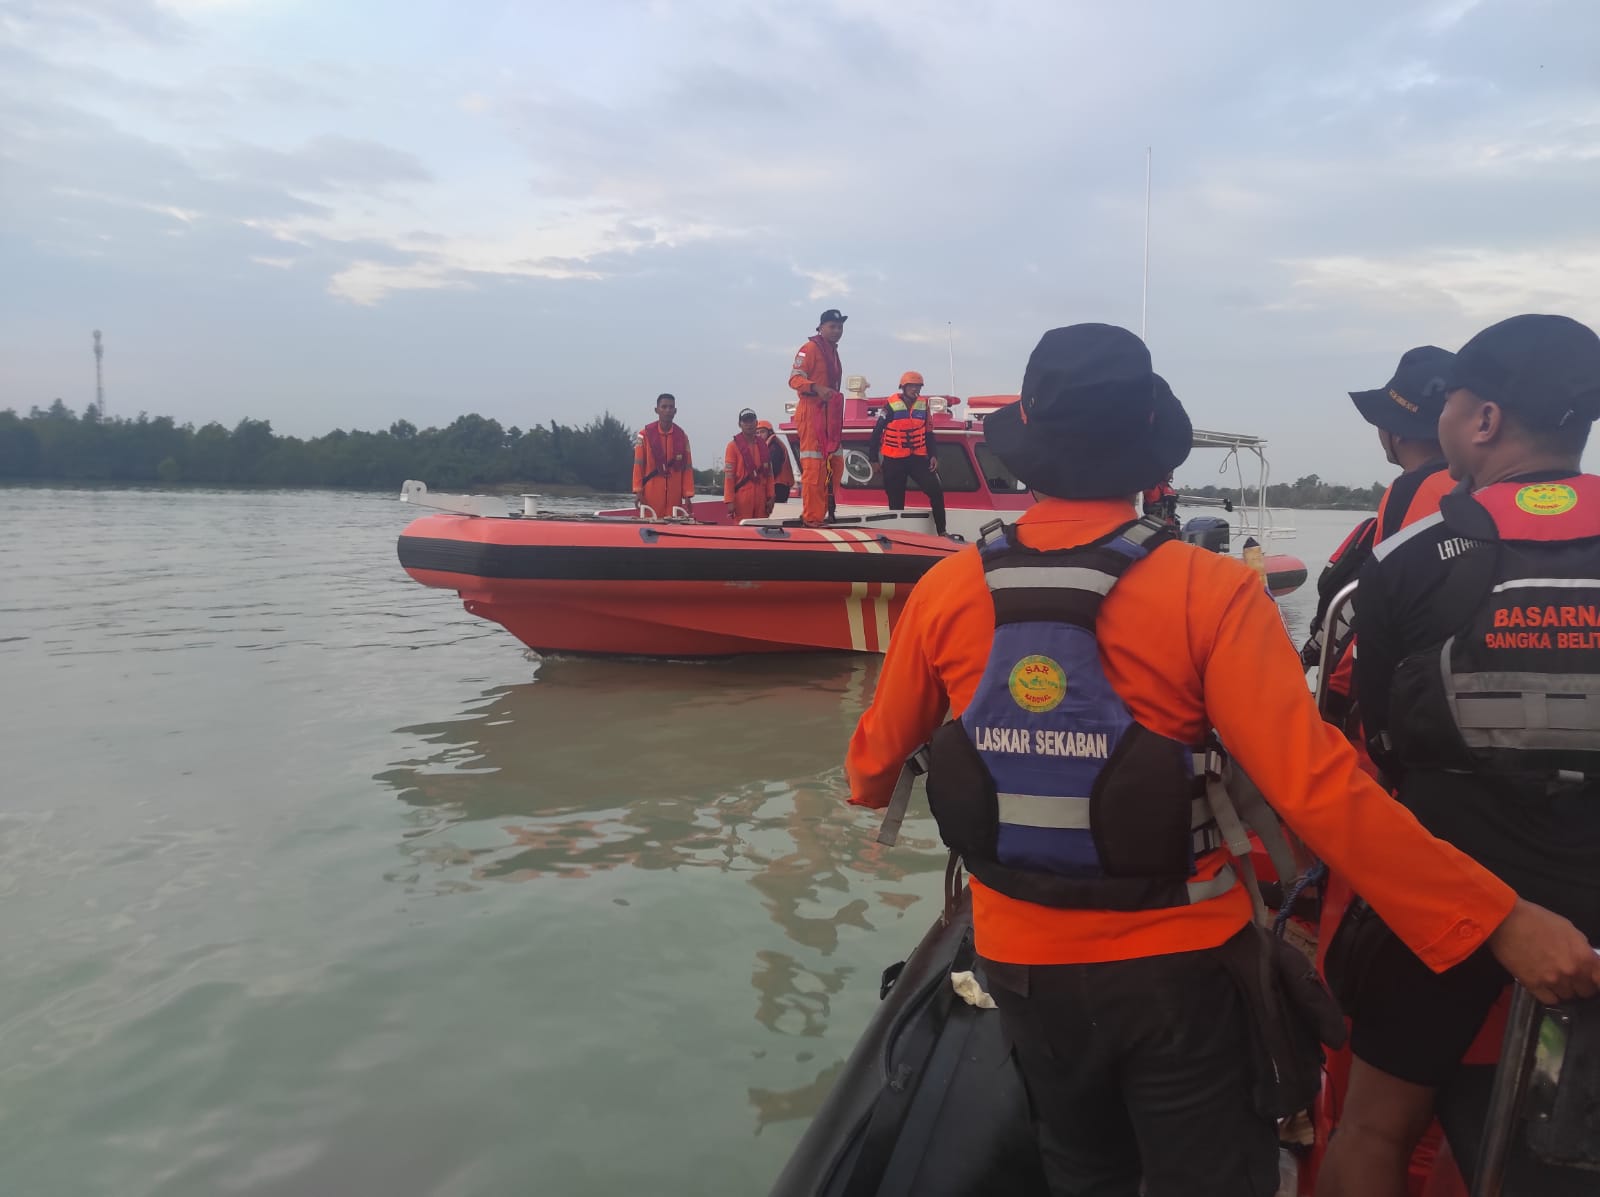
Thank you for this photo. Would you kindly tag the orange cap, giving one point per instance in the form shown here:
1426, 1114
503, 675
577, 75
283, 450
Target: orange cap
911, 376
767, 424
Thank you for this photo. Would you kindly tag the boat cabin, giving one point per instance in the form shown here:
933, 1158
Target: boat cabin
974, 477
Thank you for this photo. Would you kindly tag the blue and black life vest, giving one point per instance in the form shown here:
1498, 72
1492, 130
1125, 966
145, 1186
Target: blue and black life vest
1047, 786
1515, 692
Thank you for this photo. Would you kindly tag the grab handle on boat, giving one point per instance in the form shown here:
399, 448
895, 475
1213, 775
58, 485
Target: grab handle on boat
647, 512
1325, 662
680, 512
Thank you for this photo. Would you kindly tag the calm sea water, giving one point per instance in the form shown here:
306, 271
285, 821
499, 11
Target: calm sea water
314, 884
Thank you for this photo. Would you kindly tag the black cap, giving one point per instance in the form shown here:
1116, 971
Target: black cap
1094, 420
830, 316
1410, 404
1544, 369
747, 413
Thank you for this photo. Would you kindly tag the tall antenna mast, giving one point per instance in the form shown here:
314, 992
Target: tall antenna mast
950, 343
1144, 297
99, 376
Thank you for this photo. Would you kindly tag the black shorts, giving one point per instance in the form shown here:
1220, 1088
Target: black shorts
1406, 1019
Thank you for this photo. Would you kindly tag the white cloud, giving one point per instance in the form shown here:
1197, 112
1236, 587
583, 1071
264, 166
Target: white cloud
824, 284
1446, 15
926, 336
1483, 284
365, 283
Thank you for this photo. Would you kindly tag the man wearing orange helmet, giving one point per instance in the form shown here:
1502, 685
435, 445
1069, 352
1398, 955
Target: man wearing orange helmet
778, 459
903, 439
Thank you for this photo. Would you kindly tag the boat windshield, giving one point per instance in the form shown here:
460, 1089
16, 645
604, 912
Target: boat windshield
995, 472
955, 468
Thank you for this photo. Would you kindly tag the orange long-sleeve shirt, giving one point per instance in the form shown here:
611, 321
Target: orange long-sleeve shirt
1189, 640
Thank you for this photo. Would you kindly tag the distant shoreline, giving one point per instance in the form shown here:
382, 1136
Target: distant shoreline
561, 490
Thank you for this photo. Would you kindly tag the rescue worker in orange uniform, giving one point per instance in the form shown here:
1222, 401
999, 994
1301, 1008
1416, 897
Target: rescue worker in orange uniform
1161, 502
1463, 719
1129, 1030
903, 440
819, 416
663, 473
778, 459
747, 473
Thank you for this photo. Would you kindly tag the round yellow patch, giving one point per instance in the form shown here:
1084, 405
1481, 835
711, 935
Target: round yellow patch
1038, 684
1547, 498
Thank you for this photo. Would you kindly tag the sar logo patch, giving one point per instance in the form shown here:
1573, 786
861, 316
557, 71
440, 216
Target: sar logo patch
1038, 684
1547, 498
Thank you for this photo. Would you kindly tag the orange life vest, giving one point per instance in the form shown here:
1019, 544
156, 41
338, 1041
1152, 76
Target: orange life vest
666, 452
753, 462
778, 457
906, 433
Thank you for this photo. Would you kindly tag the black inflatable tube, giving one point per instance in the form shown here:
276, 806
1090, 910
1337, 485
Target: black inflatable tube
965, 1132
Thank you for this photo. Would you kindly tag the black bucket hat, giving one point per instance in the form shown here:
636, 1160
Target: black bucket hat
1409, 405
1094, 421
1546, 369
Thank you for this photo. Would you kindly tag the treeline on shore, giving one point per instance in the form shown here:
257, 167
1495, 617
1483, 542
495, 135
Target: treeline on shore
1309, 491
57, 444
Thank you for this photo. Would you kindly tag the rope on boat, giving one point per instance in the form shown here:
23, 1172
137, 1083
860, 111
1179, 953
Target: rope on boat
1317, 874
879, 537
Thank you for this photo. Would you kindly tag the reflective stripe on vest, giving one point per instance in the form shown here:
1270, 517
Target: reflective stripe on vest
906, 433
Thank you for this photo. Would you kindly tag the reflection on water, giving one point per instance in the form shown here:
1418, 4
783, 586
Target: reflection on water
598, 766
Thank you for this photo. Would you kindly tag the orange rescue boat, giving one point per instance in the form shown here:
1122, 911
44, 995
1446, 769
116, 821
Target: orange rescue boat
675, 589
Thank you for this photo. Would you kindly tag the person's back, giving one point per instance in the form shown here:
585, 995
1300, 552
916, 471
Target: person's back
1467, 710
1123, 968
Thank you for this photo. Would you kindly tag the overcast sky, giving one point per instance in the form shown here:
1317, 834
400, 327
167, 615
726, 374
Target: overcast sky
342, 214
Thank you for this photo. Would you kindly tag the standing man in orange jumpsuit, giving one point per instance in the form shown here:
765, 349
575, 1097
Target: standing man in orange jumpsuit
819, 416
1131, 1034
746, 473
663, 473
778, 458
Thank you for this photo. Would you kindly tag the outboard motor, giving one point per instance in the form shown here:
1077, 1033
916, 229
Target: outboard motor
1210, 532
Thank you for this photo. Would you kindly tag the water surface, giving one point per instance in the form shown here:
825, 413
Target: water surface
315, 884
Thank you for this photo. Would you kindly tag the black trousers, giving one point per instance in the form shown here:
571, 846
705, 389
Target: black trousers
1138, 1071
780, 492
895, 472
